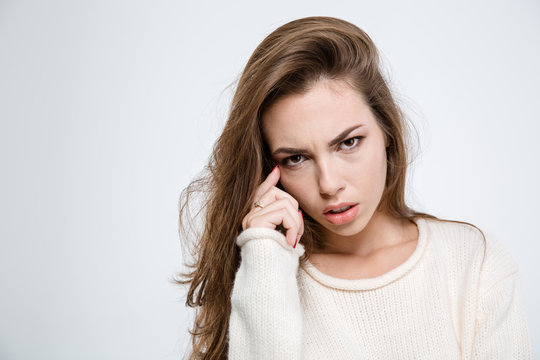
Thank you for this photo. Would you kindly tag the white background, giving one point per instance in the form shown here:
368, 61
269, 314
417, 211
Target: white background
109, 108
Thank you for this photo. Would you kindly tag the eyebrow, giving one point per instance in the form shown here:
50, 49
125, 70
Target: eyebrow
342, 136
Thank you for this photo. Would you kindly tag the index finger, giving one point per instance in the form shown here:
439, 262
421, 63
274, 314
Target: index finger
271, 180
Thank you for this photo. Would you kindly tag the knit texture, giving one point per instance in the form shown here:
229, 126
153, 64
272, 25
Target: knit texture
456, 297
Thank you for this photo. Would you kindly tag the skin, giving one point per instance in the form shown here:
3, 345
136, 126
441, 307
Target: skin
315, 175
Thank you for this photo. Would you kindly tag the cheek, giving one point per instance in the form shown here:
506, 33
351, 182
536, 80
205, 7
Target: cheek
379, 164
370, 173
297, 186
379, 171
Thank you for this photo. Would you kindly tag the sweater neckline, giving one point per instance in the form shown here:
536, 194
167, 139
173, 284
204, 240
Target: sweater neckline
378, 281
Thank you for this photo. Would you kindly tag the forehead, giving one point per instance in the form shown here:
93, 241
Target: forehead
327, 109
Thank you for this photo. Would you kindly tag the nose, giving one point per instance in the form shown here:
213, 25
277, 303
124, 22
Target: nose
329, 178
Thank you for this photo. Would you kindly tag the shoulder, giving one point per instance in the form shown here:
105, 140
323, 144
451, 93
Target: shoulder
455, 237
471, 249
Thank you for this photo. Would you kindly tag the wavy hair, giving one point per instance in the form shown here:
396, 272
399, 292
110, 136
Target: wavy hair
288, 61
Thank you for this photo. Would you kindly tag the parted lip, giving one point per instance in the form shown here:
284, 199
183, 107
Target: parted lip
337, 206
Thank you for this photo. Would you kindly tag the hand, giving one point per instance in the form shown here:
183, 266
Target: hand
276, 208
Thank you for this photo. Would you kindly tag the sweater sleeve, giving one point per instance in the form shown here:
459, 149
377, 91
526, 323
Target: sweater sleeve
266, 317
501, 329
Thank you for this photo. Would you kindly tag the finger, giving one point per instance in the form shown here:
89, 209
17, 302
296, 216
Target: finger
291, 227
301, 229
274, 218
281, 216
275, 194
271, 180
284, 204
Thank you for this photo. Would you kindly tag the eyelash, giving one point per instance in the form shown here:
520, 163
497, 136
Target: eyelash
285, 162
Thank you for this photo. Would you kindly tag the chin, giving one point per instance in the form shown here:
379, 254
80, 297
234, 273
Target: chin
350, 229
346, 232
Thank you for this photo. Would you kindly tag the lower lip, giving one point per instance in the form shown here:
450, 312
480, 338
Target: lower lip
342, 218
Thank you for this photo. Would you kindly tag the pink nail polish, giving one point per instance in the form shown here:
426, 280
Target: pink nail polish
301, 213
296, 242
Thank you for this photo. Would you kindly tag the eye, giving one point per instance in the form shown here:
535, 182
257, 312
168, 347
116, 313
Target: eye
350, 143
293, 161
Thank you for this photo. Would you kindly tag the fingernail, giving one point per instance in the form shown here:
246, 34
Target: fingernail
296, 242
301, 213
274, 168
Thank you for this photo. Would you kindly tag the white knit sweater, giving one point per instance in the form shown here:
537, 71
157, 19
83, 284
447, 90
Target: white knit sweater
455, 297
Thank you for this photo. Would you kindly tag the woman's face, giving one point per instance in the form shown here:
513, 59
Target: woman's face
331, 153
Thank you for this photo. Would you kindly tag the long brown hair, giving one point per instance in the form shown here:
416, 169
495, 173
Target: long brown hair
288, 61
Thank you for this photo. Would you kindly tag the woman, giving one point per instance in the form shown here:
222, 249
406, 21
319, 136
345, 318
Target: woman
309, 249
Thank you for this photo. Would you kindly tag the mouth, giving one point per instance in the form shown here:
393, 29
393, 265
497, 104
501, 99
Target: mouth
340, 210
341, 213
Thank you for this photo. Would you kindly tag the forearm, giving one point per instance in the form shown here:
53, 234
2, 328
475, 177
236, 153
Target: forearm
266, 317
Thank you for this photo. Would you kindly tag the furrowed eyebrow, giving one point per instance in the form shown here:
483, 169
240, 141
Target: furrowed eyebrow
289, 151
343, 135
295, 151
